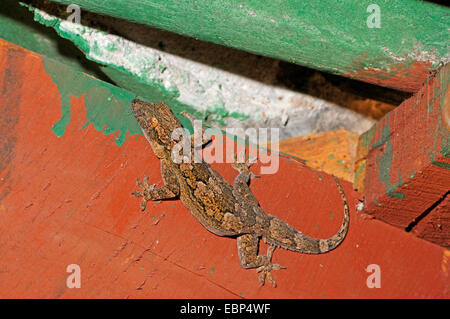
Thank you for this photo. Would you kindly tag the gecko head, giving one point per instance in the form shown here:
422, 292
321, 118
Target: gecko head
157, 122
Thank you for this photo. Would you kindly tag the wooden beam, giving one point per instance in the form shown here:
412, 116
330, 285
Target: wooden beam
157, 75
66, 200
333, 152
330, 35
405, 159
434, 225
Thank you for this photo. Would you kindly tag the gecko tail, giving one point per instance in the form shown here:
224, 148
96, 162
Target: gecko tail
280, 234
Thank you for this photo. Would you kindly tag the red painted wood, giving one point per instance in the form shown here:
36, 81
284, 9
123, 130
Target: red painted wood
67, 201
400, 77
434, 226
408, 163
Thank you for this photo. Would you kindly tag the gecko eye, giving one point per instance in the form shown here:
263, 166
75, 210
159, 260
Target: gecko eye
154, 122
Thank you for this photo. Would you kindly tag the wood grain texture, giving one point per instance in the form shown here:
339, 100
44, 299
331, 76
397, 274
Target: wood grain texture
435, 226
333, 152
66, 200
328, 35
405, 158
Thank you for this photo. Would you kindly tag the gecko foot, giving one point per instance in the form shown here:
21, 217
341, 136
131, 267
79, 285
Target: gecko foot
244, 168
145, 193
267, 267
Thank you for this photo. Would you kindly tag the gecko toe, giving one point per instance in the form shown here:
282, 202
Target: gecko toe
146, 182
262, 278
253, 175
137, 194
143, 204
271, 280
244, 168
265, 272
251, 160
144, 186
259, 269
277, 267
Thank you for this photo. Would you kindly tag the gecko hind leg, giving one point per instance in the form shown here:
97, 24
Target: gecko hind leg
266, 270
149, 192
248, 256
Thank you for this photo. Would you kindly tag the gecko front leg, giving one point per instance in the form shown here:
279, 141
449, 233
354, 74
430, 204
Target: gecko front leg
248, 256
170, 190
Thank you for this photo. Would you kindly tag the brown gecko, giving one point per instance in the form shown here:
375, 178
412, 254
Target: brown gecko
223, 209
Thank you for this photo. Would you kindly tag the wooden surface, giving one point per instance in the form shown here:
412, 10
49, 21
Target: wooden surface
434, 226
65, 199
333, 153
328, 35
221, 79
407, 161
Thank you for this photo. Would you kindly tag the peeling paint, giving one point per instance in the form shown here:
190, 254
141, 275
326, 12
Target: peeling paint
186, 85
328, 35
98, 97
385, 162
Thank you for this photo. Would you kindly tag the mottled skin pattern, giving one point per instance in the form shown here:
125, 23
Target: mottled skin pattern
223, 209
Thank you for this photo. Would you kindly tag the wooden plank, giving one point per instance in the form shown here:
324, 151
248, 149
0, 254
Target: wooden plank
17, 26
327, 35
333, 152
435, 225
66, 200
214, 90
405, 158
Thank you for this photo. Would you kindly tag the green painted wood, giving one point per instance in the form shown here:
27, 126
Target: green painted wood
17, 26
330, 35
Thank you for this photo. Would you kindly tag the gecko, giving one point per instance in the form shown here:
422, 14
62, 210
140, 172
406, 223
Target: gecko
222, 208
